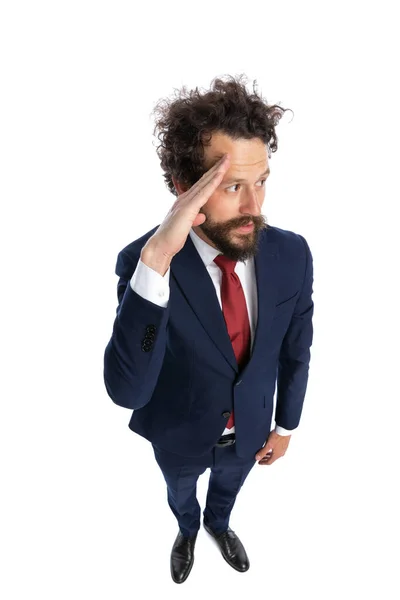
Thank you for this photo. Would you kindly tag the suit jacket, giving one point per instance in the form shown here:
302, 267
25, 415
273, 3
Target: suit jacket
175, 366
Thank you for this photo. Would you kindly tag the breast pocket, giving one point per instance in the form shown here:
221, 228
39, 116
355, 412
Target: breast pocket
285, 306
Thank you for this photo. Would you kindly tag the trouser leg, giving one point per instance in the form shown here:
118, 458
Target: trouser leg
181, 475
227, 476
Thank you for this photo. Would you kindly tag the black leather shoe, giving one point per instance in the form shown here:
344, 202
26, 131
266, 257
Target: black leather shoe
182, 557
231, 548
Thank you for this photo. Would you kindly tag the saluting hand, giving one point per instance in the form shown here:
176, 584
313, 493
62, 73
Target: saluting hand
172, 234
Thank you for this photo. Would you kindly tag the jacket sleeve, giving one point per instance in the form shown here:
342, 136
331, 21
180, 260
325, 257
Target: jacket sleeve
294, 356
134, 355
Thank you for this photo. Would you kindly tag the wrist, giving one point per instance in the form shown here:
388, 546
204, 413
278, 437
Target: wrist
152, 256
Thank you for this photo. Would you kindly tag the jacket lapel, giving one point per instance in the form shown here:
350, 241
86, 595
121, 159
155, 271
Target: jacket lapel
195, 284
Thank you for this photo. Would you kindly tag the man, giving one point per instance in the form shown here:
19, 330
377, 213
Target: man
215, 313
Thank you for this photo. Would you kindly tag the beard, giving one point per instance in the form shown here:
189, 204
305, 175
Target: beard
233, 244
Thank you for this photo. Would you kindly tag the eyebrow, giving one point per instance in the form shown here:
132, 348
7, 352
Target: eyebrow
238, 180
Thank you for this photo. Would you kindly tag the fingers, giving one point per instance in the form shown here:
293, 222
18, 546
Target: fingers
263, 452
209, 180
267, 458
271, 457
216, 170
223, 161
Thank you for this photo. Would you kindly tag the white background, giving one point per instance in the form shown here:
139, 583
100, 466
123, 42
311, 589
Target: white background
84, 509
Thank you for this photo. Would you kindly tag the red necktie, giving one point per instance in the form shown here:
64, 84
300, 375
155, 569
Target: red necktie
235, 313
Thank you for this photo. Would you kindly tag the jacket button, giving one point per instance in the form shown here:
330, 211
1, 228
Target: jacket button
226, 414
146, 345
238, 382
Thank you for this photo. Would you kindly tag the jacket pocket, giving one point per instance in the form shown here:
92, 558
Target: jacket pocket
285, 305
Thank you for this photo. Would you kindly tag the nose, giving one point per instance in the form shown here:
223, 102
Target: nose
251, 205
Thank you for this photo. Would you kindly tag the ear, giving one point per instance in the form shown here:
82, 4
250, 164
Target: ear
180, 188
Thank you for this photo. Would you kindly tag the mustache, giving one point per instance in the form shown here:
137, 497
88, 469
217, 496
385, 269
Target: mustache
256, 222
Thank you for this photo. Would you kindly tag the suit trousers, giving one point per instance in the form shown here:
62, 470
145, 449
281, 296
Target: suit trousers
228, 473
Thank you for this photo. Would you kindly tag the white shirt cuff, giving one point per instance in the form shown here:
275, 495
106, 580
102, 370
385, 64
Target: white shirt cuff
282, 431
150, 285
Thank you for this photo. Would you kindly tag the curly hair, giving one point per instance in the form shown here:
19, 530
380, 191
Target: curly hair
184, 125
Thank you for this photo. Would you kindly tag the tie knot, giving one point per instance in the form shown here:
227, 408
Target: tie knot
225, 264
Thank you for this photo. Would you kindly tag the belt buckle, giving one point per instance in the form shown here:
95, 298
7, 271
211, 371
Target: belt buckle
228, 442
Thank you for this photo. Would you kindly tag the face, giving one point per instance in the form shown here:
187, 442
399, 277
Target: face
238, 199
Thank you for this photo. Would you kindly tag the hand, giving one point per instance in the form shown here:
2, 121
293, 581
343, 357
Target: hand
172, 234
275, 447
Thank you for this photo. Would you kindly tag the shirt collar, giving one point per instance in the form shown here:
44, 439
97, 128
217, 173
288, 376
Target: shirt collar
207, 253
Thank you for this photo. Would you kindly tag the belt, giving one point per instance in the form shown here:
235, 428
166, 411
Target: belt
226, 440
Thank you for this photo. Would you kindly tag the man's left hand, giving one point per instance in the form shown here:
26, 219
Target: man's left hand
275, 447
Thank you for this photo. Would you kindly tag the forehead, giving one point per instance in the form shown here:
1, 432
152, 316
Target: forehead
245, 155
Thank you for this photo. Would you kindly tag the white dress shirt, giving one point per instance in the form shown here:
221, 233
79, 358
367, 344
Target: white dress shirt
155, 288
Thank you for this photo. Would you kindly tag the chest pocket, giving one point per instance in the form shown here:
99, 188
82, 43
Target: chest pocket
282, 308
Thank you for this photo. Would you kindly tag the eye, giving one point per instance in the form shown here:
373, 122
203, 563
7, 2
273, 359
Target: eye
232, 186
237, 185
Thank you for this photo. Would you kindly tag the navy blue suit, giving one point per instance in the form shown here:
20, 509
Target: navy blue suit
175, 366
